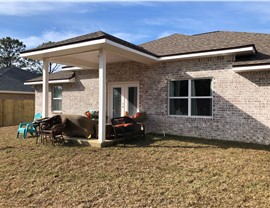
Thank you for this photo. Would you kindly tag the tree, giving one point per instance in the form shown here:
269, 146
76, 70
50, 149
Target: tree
10, 56
53, 66
10, 52
37, 66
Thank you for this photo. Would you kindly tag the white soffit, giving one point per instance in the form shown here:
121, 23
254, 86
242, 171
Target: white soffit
251, 68
64, 50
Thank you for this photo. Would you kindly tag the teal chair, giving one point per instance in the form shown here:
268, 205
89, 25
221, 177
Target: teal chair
27, 127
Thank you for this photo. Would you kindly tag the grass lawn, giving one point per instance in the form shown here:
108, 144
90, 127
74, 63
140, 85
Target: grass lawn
155, 172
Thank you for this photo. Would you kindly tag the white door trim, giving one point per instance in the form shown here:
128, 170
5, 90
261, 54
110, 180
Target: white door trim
122, 85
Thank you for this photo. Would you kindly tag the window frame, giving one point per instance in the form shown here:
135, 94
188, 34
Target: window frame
53, 98
189, 98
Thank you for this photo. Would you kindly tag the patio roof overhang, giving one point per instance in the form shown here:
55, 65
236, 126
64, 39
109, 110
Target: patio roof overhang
85, 54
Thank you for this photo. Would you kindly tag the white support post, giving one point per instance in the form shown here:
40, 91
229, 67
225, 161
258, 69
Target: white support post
102, 96
45, 87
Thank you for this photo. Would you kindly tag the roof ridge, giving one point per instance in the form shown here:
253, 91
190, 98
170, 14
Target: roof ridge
164, 38
217, 31
227, 31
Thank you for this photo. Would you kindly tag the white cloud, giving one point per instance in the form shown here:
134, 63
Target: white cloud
34, 41
28, 8
24, 9
178, 23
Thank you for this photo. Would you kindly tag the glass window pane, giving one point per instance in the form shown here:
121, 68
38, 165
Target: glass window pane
116, 102
57, 98
57, 105
57, 92
178, 106
201, 107
201, 87
179, 88
132, 101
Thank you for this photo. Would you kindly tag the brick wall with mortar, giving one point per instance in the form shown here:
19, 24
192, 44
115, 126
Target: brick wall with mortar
240, 100
77, 97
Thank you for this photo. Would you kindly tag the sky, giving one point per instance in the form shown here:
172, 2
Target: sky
138, 21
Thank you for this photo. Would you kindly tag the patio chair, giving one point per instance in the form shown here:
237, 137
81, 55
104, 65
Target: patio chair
52, 129
127, 128
27, 127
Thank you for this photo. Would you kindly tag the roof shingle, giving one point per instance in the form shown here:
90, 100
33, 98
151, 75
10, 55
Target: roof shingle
62, 75
13, 78
183, 44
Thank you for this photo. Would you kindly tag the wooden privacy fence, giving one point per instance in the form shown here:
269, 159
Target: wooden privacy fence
13, 112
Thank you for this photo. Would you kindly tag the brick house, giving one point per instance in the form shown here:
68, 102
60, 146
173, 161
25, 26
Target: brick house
211, 85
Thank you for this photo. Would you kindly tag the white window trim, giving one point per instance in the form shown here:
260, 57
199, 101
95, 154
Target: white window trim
53, 98
189, 97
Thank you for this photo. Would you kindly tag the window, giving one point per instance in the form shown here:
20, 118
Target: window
190, 97
57, 98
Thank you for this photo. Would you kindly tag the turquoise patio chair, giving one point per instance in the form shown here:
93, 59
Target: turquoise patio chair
27, 127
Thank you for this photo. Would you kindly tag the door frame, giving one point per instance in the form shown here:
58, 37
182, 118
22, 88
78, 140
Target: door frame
125, 85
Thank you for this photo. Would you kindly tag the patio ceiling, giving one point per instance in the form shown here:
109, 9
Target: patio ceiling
85, 55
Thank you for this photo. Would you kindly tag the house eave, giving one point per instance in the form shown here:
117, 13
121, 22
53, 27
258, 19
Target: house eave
59, 81
89, 46
16, 92
251, 68
63, 53
242, 50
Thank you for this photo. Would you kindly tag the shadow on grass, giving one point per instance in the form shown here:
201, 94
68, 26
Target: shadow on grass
7, 147
153, 140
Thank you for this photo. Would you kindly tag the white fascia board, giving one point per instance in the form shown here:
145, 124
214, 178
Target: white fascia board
17, 92
251, 68
130, 50
74, 68
209, 53
61, 48
63, 81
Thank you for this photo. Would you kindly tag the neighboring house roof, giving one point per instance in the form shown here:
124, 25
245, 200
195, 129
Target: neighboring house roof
57, 76
13, 78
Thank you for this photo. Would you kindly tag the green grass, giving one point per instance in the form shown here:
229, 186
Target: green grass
155, 172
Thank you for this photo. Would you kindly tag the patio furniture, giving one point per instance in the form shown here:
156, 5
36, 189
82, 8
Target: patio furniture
127, 128
80, 126
27, 127
109, 131
139, 116
52, 129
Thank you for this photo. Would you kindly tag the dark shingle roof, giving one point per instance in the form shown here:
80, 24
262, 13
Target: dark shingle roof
62, 75
13, 78
180, 44
184, 44
88, 37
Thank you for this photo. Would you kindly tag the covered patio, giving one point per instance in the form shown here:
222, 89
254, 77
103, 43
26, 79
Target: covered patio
88, 52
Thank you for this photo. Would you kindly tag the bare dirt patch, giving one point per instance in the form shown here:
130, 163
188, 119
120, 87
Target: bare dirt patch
155, 172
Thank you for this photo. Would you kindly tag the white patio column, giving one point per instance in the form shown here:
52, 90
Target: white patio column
45, 87
102, 96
